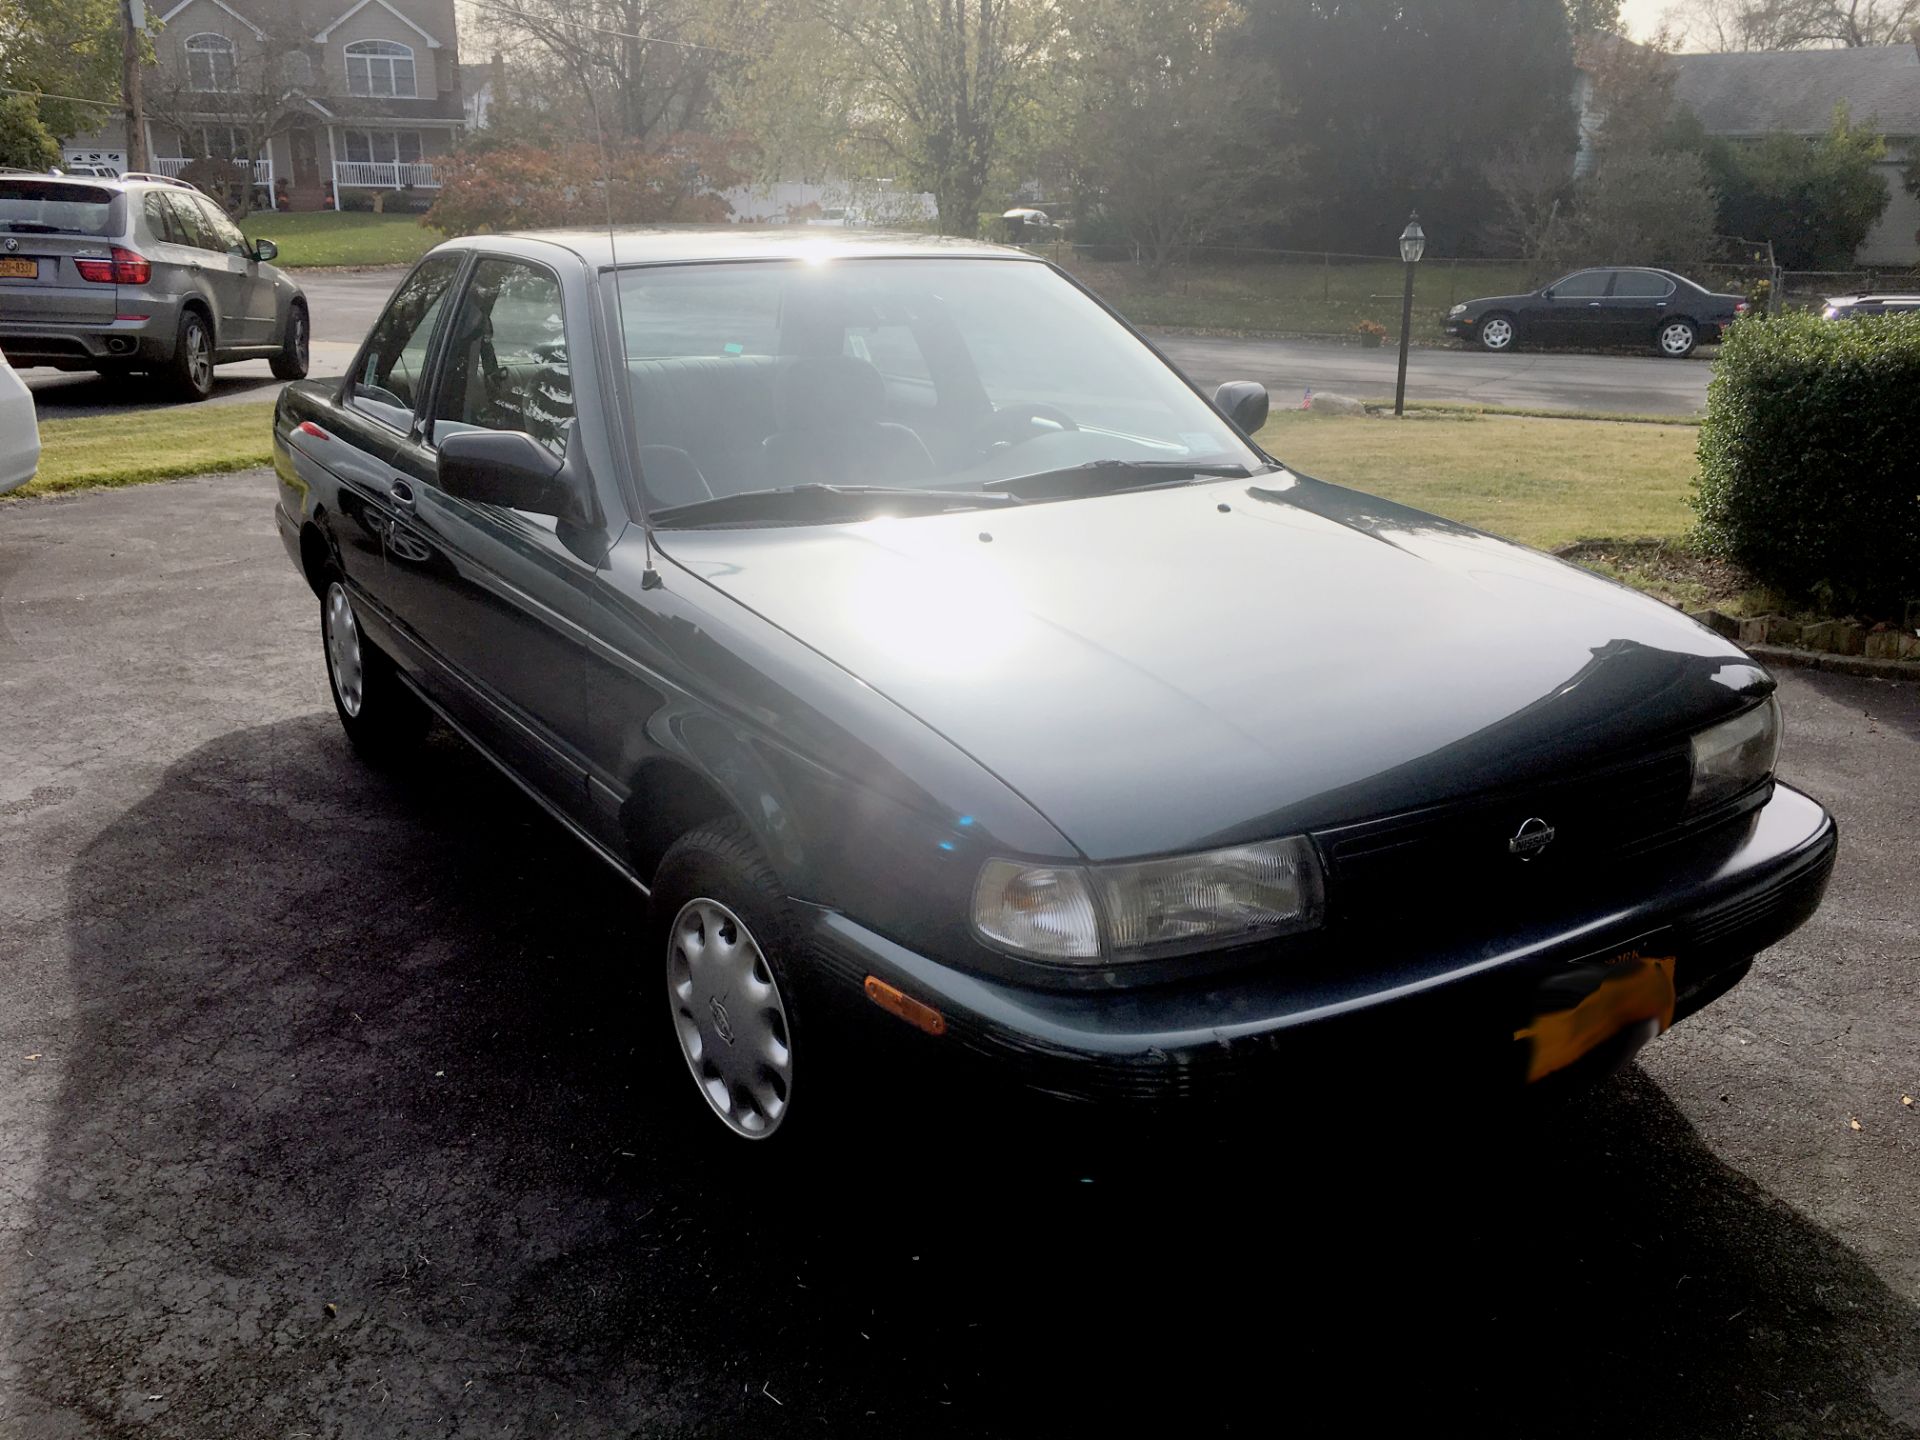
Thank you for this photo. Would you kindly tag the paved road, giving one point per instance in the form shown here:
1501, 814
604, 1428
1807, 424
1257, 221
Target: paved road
346, 305
325, 1110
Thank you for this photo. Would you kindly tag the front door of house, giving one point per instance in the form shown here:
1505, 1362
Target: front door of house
306, 160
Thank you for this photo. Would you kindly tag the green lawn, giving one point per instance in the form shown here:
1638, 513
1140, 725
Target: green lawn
129, 449
1542, 482
346, 237
1309, 298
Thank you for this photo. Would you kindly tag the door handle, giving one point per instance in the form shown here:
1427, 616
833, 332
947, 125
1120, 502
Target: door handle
1593, 304
401, 494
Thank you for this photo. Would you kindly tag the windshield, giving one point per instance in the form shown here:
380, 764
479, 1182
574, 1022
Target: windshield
937, 374
29, 206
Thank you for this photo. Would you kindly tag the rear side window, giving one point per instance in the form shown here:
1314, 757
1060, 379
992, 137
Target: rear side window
392, 371
190, 225
160, 220
1640, 285
34, 207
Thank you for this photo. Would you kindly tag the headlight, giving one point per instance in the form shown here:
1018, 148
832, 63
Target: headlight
1456, 310
1734, 756
1154, 907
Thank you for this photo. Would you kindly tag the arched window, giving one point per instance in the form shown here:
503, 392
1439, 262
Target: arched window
379, 67
210, 62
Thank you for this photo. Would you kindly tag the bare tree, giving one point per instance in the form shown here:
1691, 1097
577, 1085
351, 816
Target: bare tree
1530, 185
1729, 25
228, 108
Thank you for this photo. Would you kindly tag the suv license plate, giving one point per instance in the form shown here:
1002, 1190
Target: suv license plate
19, 269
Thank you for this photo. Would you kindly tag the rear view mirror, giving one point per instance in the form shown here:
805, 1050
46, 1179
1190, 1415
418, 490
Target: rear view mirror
1244, 402
265, 250
506, 467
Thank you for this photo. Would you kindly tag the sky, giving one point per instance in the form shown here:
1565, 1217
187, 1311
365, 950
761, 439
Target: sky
1643, 17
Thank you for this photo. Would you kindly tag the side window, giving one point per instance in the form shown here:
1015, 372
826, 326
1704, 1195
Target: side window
506, 366
160, 220
1641, 285
1587, 285
189, 223
226, 235
393, 368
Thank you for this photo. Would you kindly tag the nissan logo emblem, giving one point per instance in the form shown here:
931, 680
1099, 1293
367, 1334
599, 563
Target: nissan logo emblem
1531, 838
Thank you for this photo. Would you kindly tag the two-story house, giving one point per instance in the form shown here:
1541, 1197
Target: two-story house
325, 99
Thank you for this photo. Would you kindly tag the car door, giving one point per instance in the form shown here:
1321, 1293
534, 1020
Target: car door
223, 275
254, 310
1572, 314
1637, 304
374, 414
498, 597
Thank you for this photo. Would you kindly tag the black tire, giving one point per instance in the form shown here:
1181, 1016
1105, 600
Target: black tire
1497, 333
1676, 338
291, 362
719, 866
188, 373
381, 716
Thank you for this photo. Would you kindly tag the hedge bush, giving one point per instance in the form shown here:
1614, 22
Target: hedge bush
1810, 458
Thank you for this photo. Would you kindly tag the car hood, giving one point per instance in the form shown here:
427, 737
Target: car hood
1172, 669
1497, 302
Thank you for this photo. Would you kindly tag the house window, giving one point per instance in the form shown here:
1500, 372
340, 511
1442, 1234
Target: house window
210, 63
379, 67
384, 146
224, 142
296, 69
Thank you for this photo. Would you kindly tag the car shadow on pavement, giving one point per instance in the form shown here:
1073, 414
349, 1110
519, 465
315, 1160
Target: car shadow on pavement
77, 395
364, 1130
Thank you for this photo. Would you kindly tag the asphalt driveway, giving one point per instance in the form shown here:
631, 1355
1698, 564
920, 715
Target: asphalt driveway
327, 1108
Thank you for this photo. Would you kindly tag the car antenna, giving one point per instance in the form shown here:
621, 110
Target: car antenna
650, 576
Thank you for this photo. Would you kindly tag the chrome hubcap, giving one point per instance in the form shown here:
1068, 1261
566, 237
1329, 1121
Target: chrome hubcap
1676, 339
199, 356
343, 650
729, 1017
1497, 334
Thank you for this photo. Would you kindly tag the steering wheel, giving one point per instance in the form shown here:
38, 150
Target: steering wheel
1015, 425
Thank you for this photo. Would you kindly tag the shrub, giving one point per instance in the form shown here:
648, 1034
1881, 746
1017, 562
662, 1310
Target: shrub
24, 141
1807, 471
519, 187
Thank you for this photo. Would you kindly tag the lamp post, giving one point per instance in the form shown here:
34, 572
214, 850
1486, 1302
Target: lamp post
1413, 244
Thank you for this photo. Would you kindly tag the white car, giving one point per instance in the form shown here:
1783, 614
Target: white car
19, 431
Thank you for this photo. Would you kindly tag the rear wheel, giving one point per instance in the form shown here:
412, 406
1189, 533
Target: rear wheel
380, 715
291, 362
1497, 333
1677, 339
188, 374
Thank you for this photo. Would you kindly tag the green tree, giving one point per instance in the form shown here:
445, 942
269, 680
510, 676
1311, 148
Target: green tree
1163, 132
24, 141
1394, 105
63, 47
1590, 17
1815, 198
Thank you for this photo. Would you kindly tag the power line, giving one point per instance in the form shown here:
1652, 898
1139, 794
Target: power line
48, 95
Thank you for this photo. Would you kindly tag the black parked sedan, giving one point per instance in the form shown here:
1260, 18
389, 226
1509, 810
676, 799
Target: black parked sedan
1634, 307
960, 685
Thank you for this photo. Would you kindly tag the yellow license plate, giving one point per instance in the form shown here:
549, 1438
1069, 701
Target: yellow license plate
19, 269
1625, 991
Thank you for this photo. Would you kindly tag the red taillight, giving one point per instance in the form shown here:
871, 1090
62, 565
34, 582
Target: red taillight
1740, 307
308, 428
125, 268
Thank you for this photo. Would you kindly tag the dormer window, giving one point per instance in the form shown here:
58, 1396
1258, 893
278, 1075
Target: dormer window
210, 64
379, 67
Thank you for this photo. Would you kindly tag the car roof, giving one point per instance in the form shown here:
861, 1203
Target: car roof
130, 181
680, 244
1883, 297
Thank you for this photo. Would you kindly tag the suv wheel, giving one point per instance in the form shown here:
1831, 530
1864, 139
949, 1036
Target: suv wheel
291, 362
722, 924
189, 373
380, 715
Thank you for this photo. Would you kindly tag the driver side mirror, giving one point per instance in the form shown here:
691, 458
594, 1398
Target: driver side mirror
265, 250
1547, 294
1244, 402
506, 467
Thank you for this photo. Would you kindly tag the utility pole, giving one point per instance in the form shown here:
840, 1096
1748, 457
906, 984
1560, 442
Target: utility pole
133, 22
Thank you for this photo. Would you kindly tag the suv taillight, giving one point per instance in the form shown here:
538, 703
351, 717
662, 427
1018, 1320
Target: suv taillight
125, 268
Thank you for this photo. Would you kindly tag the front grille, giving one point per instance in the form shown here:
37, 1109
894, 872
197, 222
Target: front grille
1462, 851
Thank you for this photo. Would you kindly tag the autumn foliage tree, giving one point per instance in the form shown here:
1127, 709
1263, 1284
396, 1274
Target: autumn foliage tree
523, 187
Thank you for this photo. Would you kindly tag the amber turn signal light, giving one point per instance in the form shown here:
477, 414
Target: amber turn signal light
894, 1002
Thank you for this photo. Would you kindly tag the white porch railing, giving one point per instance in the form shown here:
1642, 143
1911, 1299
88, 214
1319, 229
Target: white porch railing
383, 175
173, 166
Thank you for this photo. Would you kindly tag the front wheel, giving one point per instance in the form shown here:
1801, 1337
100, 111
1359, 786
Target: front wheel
1677, 339
1497, 333
723, 925
380, 715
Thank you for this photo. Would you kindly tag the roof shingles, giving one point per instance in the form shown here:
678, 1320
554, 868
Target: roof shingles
1796, 90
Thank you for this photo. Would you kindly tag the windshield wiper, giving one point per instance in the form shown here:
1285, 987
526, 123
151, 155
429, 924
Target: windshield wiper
1107, 477
821, 502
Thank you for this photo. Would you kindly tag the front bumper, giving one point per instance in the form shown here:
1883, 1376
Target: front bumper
1380, 1013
